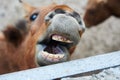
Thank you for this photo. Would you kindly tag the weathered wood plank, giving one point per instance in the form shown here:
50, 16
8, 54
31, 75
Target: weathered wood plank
67, 68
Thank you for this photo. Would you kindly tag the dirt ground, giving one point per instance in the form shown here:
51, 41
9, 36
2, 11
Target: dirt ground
97, 40
108, 74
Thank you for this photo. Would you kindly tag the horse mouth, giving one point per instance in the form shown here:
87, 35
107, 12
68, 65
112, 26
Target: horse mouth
53, 50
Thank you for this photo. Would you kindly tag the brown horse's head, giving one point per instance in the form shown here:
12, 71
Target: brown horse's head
48, 35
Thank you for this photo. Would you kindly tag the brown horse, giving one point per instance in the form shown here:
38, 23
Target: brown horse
98, 11
47, 35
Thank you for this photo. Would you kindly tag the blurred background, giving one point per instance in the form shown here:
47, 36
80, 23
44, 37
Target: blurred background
99, 39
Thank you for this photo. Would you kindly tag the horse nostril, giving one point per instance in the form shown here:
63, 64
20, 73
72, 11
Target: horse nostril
76, 16
47, 20
51, 16
80, 22
60, 11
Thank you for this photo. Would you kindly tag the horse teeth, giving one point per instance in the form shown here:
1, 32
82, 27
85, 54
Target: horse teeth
52, 57
49, 58
55, 38
45, 54
59, 56
61, 39
55, 56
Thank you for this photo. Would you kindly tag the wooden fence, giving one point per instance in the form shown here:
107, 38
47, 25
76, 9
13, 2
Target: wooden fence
65, 69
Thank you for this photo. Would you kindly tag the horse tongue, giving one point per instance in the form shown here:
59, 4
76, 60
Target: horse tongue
53, 49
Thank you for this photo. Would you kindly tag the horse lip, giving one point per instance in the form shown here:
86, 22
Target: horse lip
44, 58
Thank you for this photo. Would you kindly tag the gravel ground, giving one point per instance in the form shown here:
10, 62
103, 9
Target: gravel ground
109, 74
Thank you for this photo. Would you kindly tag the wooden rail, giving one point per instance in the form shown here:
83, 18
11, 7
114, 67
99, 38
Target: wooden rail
67, 68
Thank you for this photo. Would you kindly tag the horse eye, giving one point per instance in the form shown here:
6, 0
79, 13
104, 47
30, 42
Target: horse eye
33, 16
